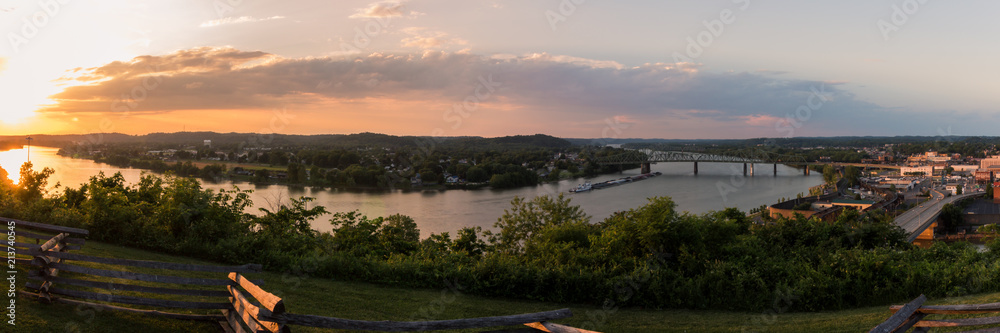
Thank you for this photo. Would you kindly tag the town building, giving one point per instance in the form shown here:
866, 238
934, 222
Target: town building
926, 170
856, 204
988, 162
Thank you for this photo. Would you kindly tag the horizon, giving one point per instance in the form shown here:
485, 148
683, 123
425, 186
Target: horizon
7, 136
725, 70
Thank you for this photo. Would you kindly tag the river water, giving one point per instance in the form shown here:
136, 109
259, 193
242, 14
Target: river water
717, 186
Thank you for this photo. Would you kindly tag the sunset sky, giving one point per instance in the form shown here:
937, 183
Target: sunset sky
569, 68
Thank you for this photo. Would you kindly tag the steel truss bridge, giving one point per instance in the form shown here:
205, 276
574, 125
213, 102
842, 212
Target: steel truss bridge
645, 157
741, 156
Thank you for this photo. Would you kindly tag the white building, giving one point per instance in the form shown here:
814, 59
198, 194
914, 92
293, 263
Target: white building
986, 163
927, 170
952, 188
965, 168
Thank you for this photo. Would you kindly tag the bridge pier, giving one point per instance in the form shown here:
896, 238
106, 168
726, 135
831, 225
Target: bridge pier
744, 169
775, 169
751, 169
806, 170
645, 168
695, 168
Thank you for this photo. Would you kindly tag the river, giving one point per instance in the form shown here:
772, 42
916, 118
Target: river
717, 186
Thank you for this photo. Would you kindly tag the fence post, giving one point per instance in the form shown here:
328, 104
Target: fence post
253, 316
58, 244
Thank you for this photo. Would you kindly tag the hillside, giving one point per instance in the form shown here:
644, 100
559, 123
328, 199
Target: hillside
364, 301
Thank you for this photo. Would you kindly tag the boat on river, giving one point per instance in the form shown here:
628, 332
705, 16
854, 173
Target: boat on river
582, 188
614, 182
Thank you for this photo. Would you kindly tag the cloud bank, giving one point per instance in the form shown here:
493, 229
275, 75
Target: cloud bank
662, 99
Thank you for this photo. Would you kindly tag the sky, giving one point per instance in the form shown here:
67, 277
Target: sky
569, 68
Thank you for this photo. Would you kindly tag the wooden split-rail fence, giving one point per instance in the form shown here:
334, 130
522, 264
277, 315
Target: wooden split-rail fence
913, 314
246, 306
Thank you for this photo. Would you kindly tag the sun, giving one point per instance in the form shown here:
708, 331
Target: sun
15, 117
22, 98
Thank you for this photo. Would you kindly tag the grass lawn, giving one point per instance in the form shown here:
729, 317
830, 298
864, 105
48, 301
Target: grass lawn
363, 301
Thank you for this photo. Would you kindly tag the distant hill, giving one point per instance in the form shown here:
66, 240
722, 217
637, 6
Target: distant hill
537, 140
233, 140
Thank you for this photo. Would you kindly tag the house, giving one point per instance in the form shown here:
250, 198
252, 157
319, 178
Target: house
242, 172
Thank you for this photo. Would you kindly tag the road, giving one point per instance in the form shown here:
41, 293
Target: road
917, 219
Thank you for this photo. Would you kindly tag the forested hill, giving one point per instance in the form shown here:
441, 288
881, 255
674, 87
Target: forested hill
9, 144
286, 140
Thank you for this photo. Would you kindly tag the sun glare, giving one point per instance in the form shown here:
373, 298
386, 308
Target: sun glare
11, 162
15, 117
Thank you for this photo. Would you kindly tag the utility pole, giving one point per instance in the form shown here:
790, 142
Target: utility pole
29, 148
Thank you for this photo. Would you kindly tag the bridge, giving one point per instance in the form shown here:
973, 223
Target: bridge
748, 157
918, 219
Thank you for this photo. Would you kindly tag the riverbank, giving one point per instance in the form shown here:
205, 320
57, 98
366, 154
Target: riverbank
267, 174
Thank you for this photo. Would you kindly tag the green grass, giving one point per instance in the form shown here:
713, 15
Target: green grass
363, 301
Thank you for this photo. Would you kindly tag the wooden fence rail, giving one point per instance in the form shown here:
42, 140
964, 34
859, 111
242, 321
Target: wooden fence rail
50, 258
244, 305
912, 315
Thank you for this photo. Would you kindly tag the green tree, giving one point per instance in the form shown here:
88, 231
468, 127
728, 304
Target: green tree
526, 218
261, 176
399, 234
951, 216
852, 174
829, 174
32, 184
316, 175
293, 172
293, 219
469, 242
380, 237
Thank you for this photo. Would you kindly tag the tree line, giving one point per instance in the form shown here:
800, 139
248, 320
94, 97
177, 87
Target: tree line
544, 248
